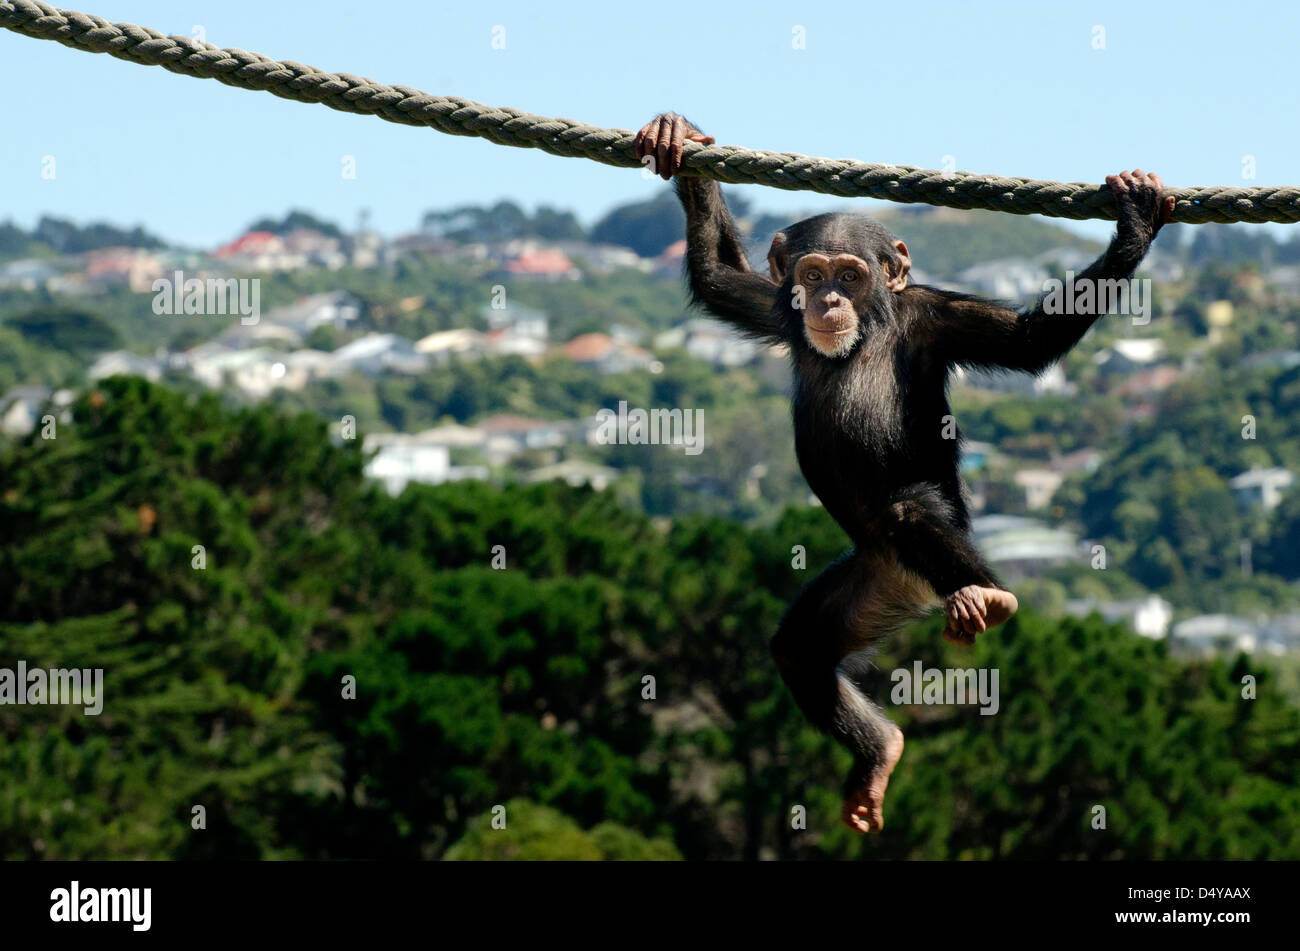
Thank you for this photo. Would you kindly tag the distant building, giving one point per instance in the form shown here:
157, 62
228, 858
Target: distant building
1281, 634
125, 363
509, 342
1130, 356
259, 251
397, 465
521, 321
317, 249
1149, 616
976, 455
134, 267
1039, 485
21, 407
1024, 544
1006, 279
374, 354
305, 366
711, 340
337, 309
1209, 632
1262, 487
669, 261
1051, 381
576, 472
255, 371
400, 459
1086, 459
604, 258
28, 274
608, 355
548, 263
525, 433
444, 345
1154, 380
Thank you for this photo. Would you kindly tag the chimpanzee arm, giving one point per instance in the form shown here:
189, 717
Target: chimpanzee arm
719, 276
971, 331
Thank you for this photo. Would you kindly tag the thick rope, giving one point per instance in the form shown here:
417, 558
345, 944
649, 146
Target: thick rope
724, 163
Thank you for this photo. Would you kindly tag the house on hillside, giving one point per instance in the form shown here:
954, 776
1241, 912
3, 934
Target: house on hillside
549, 264
607, 355
134, 267
125, 363
441, 347
1262, 487
1005, 279
1051, 381
576, 473
317, 249
21, 408
1024, 545
1207, 633
400, 459
1129, 356
259, 251
508, 434
27, 274
374, 354
711, 340
337, 309
1149, 616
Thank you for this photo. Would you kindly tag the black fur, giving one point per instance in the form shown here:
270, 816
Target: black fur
870, 433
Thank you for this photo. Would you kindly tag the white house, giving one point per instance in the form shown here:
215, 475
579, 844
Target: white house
1149, 616
397, 464
380, 353
1262, 487
124, 363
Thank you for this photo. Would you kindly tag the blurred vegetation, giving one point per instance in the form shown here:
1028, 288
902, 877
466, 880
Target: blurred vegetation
225, 686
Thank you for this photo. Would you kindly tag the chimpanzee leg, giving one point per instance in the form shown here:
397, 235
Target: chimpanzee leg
848, 607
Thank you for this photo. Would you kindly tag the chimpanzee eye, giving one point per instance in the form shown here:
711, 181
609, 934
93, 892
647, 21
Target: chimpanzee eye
813, 276
848, 277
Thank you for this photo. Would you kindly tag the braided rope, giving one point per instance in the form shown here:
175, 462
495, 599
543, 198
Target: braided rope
566, 137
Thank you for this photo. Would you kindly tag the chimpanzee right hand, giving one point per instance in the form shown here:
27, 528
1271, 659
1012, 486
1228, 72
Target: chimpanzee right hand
1140, 209
661, 138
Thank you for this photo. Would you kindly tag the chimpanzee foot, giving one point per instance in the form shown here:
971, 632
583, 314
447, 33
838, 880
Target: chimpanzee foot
972, 610
864, 807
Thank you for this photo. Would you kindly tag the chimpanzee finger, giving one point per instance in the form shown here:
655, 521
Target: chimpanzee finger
645, 139
964, 613
663, 146
675, 142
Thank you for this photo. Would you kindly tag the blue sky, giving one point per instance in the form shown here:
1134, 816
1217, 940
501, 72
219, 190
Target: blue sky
1184, 89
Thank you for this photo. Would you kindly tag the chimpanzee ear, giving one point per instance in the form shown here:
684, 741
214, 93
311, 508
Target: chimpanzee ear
896, 268
778, 258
